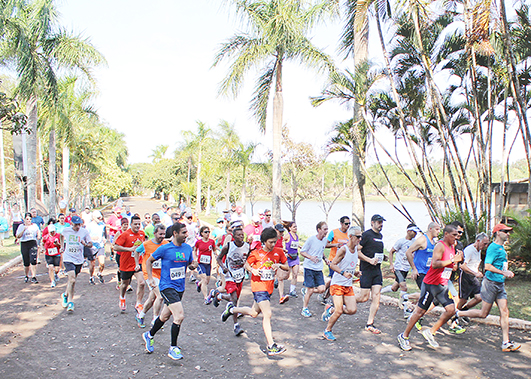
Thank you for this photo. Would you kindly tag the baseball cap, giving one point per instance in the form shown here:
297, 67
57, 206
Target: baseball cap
414, 228
377, 218
219, 220
77, 220
72, 210
280, 228
51, 228
256, 218
499, 227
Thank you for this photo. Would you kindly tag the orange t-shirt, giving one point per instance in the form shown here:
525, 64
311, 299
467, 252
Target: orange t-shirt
129, 239
339, 237
149, 248
261, 260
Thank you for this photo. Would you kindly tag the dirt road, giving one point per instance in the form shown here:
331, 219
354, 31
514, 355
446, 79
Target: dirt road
38, 339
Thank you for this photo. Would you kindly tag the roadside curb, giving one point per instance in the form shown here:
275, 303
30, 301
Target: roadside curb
514, 323
12, 263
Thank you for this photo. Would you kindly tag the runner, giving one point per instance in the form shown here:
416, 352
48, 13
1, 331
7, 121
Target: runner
231, 262
28, 234
262, 264
493, 285
164, 216
281, 275
253, 232
344, 268
312, 251
291, 241
336, 238
96, 229
51, 245
435, 286
61, 223
17, 220
218, 231
401, 267
146, 223
124, 225
126, 243
371, 255
86, 215
150, 228
204, 250
267, 222
114, 226
146, 250
175, 257
73, 240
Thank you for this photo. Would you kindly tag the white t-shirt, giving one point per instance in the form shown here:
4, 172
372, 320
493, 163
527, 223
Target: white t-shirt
30, 234
472, 258
315, 248
73, 247
96, 232
87, 217
401, 246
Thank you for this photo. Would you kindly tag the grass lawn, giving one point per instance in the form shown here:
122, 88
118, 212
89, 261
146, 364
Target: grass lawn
9, 250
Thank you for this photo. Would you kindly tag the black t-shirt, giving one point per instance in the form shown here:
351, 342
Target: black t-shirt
372, 243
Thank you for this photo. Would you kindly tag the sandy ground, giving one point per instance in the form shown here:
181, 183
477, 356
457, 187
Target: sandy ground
38, 339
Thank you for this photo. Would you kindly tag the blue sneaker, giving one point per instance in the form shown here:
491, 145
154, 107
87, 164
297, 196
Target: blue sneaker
140, 321
175, 353
70, 307
306, 312
64, 300
328, 335
149, 342
327, 313
227, 313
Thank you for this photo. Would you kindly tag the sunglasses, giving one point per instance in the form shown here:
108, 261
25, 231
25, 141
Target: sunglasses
357, 236
346, 223
459, 232
189, 218
206, 231
506, 231
267, 215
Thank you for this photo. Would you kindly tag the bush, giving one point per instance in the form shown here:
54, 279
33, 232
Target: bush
472, 228
520, 241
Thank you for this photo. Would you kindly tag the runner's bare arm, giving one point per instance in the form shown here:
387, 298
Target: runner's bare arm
334, 265
391, 265
122, 249
219, 258
491, 268
363, 257
149, 270
420, 243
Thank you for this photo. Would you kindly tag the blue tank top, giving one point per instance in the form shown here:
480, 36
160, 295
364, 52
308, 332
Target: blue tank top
422, 258
292, 246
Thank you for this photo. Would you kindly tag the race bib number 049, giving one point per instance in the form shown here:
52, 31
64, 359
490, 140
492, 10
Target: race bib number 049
177, 273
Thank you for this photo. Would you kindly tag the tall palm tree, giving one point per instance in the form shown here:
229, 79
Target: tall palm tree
243, 157
38, 48
229, 144
278, 32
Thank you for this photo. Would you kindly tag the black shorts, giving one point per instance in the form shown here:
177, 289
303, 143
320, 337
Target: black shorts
431, 293
29, 252
69, 266
400, 276
469, 286
53, 260
371, 278
420, 280
88, 253
127, 275
171, 295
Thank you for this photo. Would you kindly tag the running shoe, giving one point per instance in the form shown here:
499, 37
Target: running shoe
92, 281
275, 284
34, 280
211, 295
175, 353
192, 279
123, 306
26, 279
118, 287
238, 330
303, 291
327, 334
70, 307
327, 313
53, 284
214, 296
227, 313
198, 286
149, 342
64, 300
371, 328
407, 313
275, 349
306, 312
403, 342
129, 289
283, 299
510, 346
208, 301
418, 324
464, 320
293, 294
140, 321
100, 277
56, 277
139, 308
426, 333
455, 328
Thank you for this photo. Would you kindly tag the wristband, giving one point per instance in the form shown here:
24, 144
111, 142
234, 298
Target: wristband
342, 272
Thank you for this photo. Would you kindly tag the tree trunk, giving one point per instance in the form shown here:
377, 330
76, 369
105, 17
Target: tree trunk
66, 175
51, 173
40, 172
207, 211
278, 108
32, 153
198, 199
244, 191
227, 191
2, 163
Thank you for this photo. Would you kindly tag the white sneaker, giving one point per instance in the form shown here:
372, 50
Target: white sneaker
426, 333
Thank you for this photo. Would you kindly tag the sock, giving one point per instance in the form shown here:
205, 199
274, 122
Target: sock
386, 289
122, 298
175, 328
292, 288
156, 327
236, 325
141, 314
219, 296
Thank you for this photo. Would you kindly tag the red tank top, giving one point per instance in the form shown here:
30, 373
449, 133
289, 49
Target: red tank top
441, 275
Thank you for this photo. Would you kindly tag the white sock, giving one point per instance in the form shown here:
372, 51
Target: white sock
237, 324
386, 289
141, 314
292, 288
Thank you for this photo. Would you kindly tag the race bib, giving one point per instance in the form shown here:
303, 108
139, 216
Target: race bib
267, 275
294, 245
75, 249
156, 264
177, 273
205, 259
428, 262
351, 271
446, 273
379, 256
238, 274
505, 266
52, 251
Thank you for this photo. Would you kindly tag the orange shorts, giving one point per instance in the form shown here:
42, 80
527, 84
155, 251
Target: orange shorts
336, 290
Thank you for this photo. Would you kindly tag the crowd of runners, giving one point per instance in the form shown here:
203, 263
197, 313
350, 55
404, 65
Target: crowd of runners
156, 251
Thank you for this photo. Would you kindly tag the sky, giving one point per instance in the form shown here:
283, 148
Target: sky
159, 79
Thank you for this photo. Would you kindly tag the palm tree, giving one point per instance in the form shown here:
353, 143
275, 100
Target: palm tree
278, 32
229, 141
243, 157
38, 48
158, 153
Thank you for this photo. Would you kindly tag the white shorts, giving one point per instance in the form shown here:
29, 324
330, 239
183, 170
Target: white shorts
156, 280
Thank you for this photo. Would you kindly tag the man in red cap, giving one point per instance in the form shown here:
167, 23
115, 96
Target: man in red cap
493, 285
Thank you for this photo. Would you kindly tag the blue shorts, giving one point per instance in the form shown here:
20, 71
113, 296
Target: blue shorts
313, 279
204, 269
261, 296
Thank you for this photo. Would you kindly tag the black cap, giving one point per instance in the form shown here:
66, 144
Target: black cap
280, 228
377, 218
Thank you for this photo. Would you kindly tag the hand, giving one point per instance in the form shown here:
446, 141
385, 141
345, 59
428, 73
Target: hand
327, 262
151, 283
458, 257
373, 261
414, 273
357, 274
255, 272
347, 275
479, 275
275, 266
391, 267
314, 259
137, 267
508, 274
225, 270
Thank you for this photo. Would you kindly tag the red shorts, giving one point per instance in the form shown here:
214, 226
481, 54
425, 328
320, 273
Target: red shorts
336, 290
233, 286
